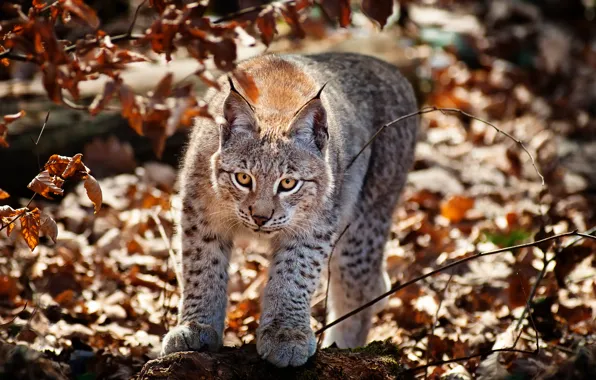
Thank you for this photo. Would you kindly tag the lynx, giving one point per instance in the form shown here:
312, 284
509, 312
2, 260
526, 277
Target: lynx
277, 170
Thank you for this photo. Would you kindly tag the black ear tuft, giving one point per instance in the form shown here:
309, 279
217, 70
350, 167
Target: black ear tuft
310, 123
238, 114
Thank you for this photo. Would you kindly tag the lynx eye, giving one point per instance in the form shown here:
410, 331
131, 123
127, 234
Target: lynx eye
243, 179
287, 184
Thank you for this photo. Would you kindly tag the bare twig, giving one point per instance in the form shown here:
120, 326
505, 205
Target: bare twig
436, 318
134, 19
14, 318
492, 351
43, 127
9, 54
36, 142
545, 263
329, 279
398, 286
164, 237
246, 11
448, 110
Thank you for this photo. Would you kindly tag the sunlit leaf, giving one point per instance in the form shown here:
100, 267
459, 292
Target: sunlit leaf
48, 227
45, 184
30, 228
455, 208
94, 192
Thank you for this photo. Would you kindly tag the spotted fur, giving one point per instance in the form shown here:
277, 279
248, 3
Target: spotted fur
292, 132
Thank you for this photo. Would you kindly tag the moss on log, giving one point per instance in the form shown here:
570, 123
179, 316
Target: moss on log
379, 360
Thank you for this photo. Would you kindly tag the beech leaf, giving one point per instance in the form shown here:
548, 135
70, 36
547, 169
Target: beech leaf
94, 192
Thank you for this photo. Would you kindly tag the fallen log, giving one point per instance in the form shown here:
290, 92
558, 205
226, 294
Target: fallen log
378, 360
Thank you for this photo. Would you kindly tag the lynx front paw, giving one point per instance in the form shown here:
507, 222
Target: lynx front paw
190, 337
283, 346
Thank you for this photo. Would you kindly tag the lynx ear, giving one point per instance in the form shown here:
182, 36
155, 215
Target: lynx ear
310, 123
238, 114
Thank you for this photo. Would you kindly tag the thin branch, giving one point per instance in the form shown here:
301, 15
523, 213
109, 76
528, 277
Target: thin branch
36, 142
448, 110
580, 236
464, 358
14, 318
8, 54
435, 319
246, 11
134, 19
398, 286
164, 237
329, 278
491, 351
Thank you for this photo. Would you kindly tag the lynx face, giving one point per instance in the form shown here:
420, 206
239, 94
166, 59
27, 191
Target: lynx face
270, 185
270, 168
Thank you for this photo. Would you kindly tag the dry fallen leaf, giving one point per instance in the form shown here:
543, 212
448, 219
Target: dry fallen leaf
455, 208
93, 192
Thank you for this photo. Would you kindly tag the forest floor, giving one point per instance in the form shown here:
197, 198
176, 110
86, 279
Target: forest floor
95, 304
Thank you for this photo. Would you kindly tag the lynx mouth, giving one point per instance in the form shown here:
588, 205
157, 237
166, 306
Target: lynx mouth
260, 230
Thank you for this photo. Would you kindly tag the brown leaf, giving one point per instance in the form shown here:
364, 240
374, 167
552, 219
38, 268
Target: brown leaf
7, 119
9, 287
48, 227
8, 212
45, 184
8, 217
455, 208
75, 168
202, 110
3, 135
83, 11
94, 192
4, 194
337, 9
247, 85
56, 164
266, 24
575, 315
30, 228
130, 109
50, 82
163, 89
567, 259
542, 234
515, 164
155, 129
378, 10
519, 287
66, 298
224, 54
10, 118
290, 14
102, 100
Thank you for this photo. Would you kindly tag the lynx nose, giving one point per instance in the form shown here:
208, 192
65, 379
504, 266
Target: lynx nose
260, 220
